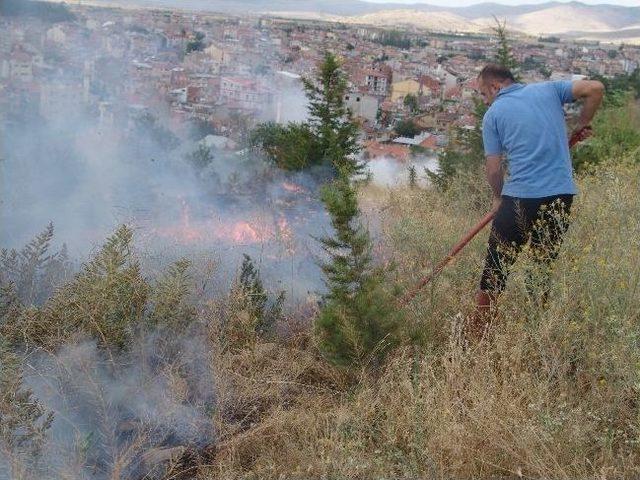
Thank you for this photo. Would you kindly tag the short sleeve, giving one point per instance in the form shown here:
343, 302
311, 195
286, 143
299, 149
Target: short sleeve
490, 137
563, 89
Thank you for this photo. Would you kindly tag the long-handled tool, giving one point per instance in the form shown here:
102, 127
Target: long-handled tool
576, 138
445, 261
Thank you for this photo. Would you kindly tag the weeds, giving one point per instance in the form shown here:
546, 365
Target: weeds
155, 372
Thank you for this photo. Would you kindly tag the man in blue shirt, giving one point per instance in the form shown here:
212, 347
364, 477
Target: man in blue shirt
529, 169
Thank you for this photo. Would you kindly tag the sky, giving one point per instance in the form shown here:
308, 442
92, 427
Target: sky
464, 3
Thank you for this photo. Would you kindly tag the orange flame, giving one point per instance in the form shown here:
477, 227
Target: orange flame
292, 187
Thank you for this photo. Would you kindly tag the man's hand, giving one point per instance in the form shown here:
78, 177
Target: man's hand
591, 93
579, 135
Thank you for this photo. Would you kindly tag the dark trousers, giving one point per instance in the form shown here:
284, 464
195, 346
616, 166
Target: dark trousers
541, 221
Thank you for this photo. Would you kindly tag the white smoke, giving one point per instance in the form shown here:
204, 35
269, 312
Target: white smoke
389, 172
110, 413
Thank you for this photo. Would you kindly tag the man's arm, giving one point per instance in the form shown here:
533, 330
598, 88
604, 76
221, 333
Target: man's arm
591, 93
495, 176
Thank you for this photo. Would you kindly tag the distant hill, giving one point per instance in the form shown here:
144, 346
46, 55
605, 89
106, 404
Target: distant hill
573, 19
47, 11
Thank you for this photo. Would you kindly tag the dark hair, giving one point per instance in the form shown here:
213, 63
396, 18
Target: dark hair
493, 71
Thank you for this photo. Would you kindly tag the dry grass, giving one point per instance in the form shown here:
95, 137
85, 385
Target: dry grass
553, 395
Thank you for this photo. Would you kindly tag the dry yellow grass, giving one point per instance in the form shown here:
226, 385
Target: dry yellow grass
553, 395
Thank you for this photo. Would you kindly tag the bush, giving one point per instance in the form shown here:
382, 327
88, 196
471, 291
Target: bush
23, 421
616, 134
407, 128
290, 147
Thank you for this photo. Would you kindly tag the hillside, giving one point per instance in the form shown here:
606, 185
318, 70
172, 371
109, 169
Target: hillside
573, 19
146, 377
553, 396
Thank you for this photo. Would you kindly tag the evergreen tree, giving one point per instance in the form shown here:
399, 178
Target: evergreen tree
329, 137
413, 176
357, 322
330, 119
264, 314
504, 55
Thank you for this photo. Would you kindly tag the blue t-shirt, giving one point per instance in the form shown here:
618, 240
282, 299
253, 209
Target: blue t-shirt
526, 123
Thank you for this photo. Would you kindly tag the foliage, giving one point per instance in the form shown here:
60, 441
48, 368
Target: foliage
618, 86
357, 322
23, 421
549, 39
290, 147
33, 271
407, 128
196, 44
330, 120
411, 102
393, 38
105, 300
261, 313
504, 55
201, 157
616, 135
173, 307
413, 176
200, 129
328, 138
147, 130
464, 154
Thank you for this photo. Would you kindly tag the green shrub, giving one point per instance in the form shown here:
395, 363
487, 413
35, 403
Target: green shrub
616, 134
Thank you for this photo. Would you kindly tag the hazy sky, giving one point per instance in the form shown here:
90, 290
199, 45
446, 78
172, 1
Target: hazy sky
463, 3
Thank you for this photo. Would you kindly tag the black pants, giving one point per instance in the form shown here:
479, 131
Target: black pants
541, 221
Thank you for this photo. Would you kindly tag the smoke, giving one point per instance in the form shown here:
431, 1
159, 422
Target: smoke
389, 172
88, 176
112, 414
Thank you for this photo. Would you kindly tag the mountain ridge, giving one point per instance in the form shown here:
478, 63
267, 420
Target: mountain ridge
571, 19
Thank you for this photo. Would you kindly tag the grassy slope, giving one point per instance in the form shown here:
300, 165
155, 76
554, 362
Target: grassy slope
554, 395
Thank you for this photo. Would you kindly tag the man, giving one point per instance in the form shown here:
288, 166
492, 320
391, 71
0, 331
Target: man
525, 140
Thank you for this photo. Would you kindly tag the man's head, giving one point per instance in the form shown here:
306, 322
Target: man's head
491, 79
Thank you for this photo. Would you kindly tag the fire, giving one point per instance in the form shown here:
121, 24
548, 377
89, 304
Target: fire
244, 233
214, 228
292, 187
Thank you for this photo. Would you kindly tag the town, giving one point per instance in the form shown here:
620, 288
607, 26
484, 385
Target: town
409, 90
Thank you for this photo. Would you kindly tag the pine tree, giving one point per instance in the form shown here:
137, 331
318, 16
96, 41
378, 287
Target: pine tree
357, 322
330, 119
504, 55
